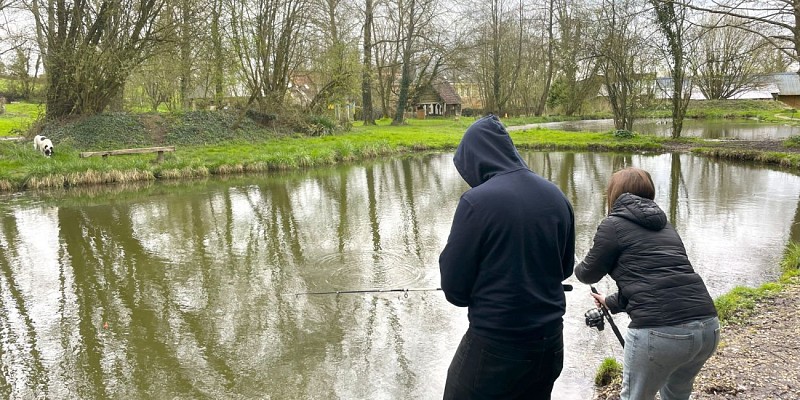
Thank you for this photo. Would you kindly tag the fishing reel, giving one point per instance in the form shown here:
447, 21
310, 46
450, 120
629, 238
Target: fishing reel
594, 319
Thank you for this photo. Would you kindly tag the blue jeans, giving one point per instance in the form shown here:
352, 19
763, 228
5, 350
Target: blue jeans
667, 359
486, 369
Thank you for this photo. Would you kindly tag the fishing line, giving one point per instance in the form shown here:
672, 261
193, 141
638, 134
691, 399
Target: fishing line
367, 291
566, 287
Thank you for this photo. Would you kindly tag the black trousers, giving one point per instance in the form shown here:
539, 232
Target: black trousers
486, 369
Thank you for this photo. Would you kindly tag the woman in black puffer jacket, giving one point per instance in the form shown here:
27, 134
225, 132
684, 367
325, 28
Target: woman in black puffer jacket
674, 327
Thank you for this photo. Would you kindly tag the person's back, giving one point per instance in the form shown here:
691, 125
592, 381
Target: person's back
510, 247
653, 273
520, 241
674, 327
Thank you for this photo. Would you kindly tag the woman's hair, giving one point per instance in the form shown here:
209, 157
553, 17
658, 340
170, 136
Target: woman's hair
630, 180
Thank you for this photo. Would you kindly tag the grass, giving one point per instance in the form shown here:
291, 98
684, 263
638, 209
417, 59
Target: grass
786, 160
218, 143
761, 110
199, 154
607, 372
18, 118
739, 304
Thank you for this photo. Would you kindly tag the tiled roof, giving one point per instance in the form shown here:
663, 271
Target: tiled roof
447, 93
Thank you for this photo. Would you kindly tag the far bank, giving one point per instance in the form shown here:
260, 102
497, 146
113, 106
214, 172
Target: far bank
218, 143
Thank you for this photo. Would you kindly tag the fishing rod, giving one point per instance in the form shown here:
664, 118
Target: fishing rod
370, 291
566, 287
591, 319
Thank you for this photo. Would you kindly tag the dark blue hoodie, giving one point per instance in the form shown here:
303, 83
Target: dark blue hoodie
512, 241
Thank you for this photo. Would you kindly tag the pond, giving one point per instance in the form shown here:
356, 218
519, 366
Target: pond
190, 290
706, 129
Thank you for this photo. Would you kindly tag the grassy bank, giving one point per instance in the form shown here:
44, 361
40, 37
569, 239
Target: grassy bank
761, 110
782, 159
219, 143
736, 306
209, 145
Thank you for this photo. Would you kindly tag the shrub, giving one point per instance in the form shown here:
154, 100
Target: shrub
260, 117
320, 125
623, 134
792, 141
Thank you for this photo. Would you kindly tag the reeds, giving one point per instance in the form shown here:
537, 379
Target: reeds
88, 177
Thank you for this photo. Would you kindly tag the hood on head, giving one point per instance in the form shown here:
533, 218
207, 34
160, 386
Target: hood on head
640, 210
486, 150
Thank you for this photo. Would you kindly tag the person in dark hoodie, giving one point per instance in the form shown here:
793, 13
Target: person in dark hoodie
674, 327
511, 244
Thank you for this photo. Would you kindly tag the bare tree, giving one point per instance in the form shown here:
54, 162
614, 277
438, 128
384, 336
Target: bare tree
622, 58
155, 80
538, 60
414, 17
217, 51
550, 60
499, 49
386, 52
773, 20
185, 14
726, 63
577, 69
23, 84
266, 36
90, 48
333, 65
674, 26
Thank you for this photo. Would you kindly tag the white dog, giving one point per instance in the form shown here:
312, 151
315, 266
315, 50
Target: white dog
43, 145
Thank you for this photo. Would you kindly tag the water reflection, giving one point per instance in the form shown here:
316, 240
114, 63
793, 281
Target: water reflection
188, 290
707, 129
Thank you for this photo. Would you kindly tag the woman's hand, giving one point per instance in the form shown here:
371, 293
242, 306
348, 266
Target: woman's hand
599, 299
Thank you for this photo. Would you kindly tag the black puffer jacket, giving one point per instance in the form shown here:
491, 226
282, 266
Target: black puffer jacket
643, 253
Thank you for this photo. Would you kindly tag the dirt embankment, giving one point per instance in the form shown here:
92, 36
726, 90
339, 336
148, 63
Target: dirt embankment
757, 145
758, 359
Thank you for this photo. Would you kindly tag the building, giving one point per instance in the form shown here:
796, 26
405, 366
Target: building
439, 99
788, 84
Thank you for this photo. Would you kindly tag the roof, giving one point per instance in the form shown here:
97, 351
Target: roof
765, 87
788, 83
447, 93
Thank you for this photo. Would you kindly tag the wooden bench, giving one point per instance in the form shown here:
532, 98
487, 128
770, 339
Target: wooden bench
141, 150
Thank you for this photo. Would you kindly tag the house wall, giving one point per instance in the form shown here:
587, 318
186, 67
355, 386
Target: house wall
791, 101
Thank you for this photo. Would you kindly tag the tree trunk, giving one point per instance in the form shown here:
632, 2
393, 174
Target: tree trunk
366, 78
218, 77
405, 78
549, 74
185, 53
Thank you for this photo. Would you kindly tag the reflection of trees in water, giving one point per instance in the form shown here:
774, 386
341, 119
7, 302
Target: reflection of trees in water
676, 182
117, 282
19, 350
197, 286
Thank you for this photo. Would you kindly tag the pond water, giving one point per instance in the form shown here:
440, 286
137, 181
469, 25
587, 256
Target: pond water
189, 290
707, 129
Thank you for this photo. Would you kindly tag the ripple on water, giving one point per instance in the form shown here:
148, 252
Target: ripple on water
361, 270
